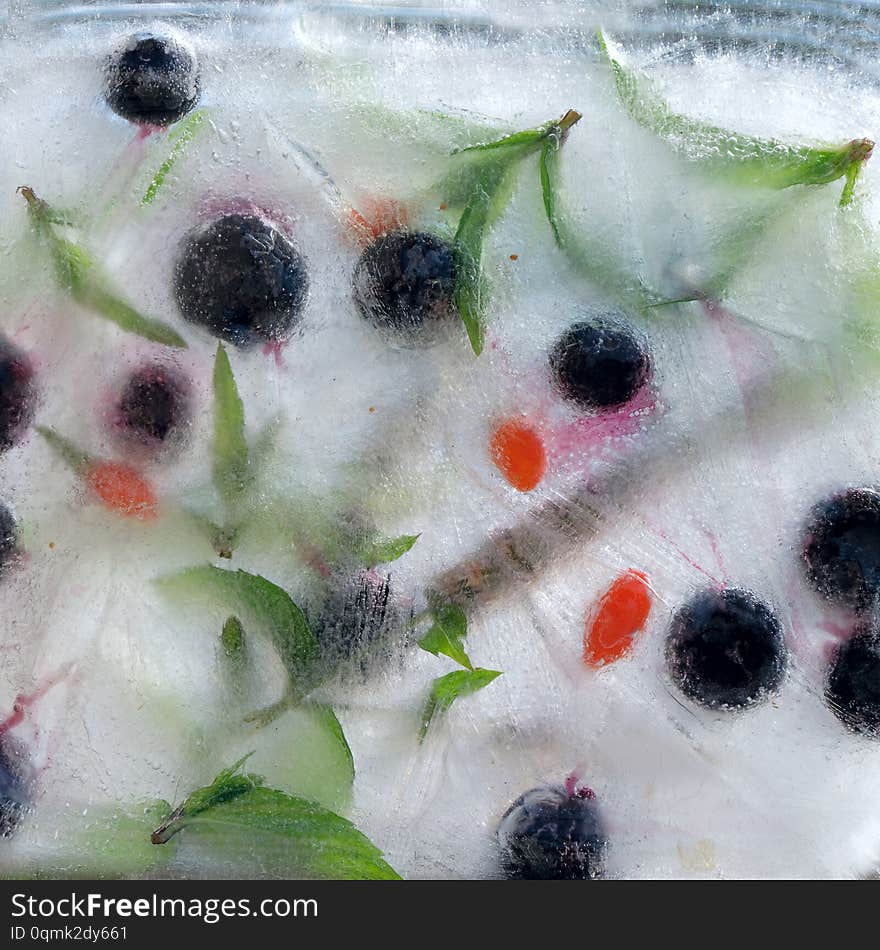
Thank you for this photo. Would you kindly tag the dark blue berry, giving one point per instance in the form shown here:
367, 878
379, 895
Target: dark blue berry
242, 280
15, 787
842, 548
403, 283
153, 404
548, 834
853, 687
16, 394
599, 364
725, 649
152, 79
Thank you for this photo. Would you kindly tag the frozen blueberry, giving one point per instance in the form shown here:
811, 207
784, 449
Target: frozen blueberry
599, 364
842, 548
15, 787
725, 649
549, 834
152, 79
16, 394
242, 280
153, 404
404, 281
853, 687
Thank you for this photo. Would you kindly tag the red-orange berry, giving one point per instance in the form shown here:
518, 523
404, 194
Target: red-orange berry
518, 452
121, 489
614, 625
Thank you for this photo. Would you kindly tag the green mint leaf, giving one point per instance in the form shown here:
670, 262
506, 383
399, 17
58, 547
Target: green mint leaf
528, 137
265, 610
297, 837
66, 450
263, 446
446, 689
80, 276
488, 197
230, 447
95, 295
385, 550
327, 717
747, 158
228, 784
515, 139
447, 635
489, 182
232, 638
183, 133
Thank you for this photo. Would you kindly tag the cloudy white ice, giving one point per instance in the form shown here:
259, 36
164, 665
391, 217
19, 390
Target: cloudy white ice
758, 407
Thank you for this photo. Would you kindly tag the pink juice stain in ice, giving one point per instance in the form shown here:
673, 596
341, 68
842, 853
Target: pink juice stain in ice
24, 701
593, 436
751, 354
275, 349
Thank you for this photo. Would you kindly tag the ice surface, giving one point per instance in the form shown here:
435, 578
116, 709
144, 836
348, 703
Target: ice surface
759, 406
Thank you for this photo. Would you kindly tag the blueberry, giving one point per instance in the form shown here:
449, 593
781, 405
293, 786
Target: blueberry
8, 537
842, 548
152, 79
548, 834
242, 280
725, 649
15, 787
599, 364
16, 394
403, 283
853, 687
153, 404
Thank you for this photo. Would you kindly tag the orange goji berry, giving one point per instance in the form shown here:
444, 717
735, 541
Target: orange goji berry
122, 489
621, 614
518, 452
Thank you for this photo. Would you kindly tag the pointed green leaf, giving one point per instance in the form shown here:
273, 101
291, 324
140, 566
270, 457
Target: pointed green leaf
385, 550
446, 689
66, 450
265, 610
95, 295
181, 136
329, 720
230, 447
489, 181
447, 635
236, 814
749, 159
487, 199
78, 274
